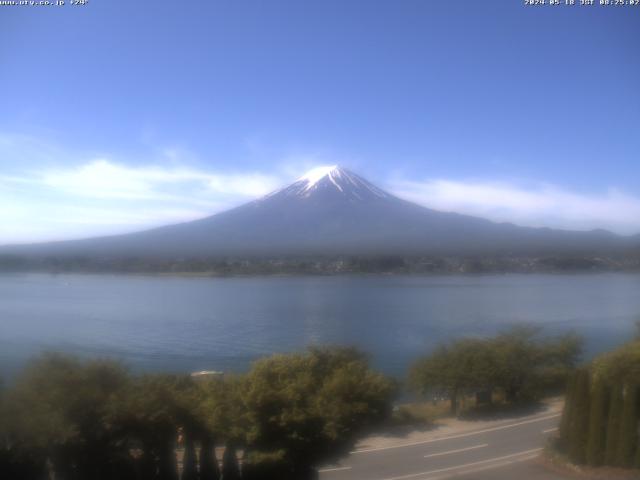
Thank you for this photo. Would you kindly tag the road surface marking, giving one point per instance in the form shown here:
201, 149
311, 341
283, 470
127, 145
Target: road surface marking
457, 467
336, 469
462, 435
492, 466
456, 451
549, 430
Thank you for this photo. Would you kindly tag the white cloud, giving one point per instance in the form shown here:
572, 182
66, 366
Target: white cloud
101, 178
539, 206
93, 195
41, 201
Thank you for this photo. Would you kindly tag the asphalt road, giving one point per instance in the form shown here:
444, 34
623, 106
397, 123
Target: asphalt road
505, 452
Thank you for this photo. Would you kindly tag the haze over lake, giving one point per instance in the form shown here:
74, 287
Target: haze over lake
186, 324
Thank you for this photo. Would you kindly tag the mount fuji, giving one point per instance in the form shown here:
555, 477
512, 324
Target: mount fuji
333, 211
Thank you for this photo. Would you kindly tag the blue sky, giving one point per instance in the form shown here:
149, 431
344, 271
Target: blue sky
121, 115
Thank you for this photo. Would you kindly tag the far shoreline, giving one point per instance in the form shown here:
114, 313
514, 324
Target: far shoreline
217, 275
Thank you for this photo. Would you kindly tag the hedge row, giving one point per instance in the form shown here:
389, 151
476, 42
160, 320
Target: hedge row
601, 420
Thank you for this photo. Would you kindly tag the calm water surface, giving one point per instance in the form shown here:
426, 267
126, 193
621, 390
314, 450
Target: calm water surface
186, 324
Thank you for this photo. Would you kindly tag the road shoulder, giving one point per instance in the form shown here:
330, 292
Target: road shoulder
450, 428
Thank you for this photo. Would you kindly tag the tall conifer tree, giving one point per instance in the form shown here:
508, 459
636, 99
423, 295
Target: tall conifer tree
628, 438
613, 425
597, 423
579, 424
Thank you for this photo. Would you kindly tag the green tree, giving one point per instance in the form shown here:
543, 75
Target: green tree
557, 358
311, 406
151, 413
579, 422
265, 465
223, 410
189, 461
454, 370
597, 423
61, 407
230, 467
568, 411
613, 425
517, 358
17, 460
628, 436
530, 364
517, 361
621, 369
209, 469
621, 365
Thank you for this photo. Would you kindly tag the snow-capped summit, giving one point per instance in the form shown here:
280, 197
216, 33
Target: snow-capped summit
331, 210
332, 180
314, 175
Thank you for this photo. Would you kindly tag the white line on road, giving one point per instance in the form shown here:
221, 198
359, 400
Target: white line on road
549, 430
336, 469
456, 451
462, 435
492, 466
466, 465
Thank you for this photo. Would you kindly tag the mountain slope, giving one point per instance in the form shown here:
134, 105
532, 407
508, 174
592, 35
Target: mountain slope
331, 210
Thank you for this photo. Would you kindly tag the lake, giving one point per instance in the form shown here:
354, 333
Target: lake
186, 324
